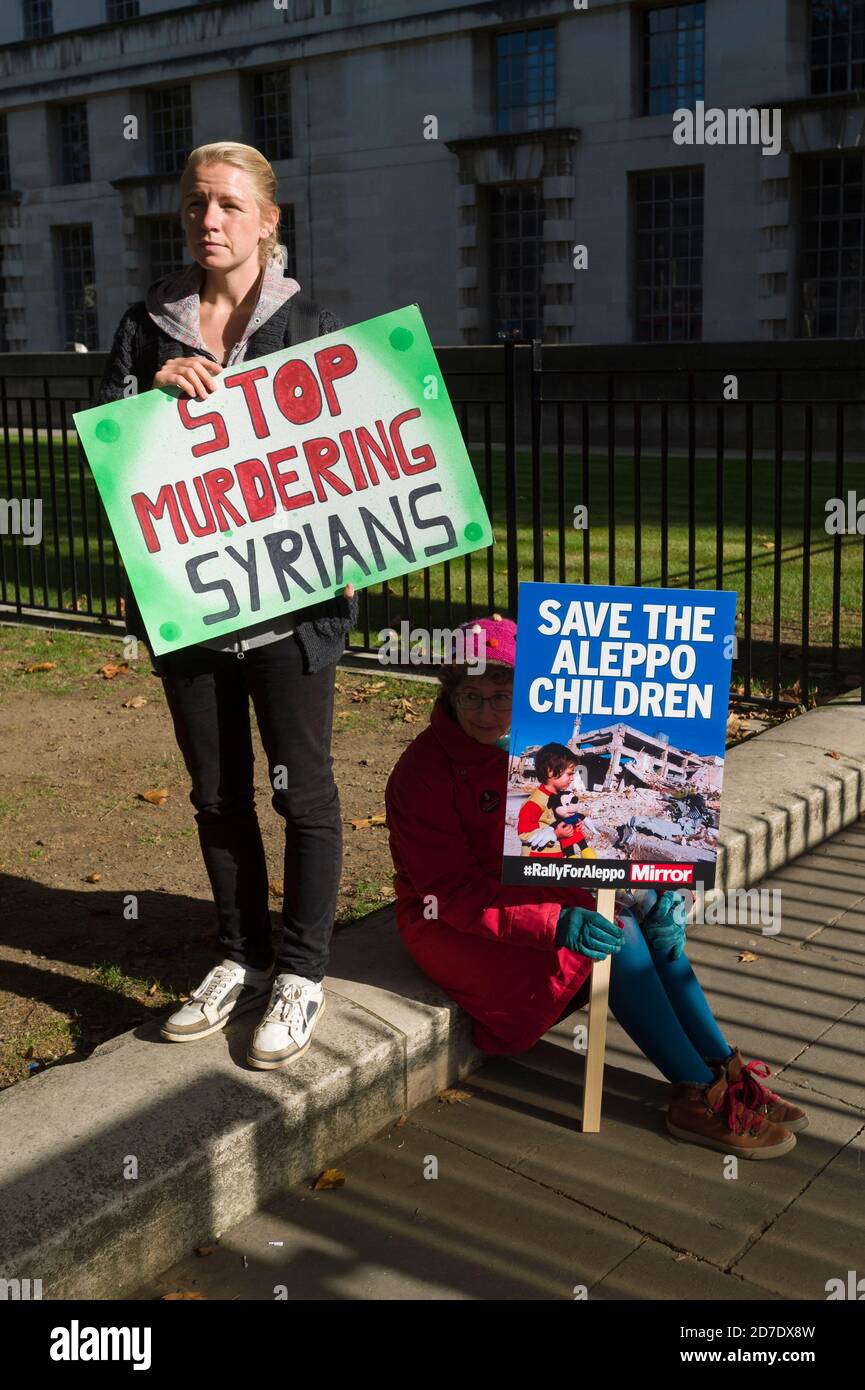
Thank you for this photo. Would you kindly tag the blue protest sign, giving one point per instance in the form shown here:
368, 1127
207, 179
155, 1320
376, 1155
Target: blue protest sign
618, 735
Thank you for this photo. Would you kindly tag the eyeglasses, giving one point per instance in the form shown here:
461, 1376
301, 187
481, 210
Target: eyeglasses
470, 699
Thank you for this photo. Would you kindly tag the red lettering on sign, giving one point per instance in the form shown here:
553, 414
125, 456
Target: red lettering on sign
246, 381
195, 422
145, 509
218, 482
333, 363
320, 455
385, 457
296, 393
256, 488
423, 452
662, 873
198, 528
280, 478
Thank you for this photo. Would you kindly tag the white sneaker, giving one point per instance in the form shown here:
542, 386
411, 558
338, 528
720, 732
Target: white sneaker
296, 1005
226, 990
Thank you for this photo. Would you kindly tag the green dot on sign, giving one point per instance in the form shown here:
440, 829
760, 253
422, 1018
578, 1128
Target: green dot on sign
228, 533
170, 631
108, 431
401, 339
473, 531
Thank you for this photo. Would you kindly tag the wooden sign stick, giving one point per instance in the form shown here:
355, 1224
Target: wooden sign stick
593, 1087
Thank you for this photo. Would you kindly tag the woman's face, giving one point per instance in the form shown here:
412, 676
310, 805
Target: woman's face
486, 724
221, 218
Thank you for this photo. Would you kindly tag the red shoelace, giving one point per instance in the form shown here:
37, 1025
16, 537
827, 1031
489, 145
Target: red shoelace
743, 1098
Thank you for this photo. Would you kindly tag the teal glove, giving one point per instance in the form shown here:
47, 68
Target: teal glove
664, 926
588, 933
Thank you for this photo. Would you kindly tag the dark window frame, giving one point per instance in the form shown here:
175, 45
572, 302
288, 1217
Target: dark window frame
668, 254
681, 93
273, 86
505, 257
118, 10
80, 322
37, 18
74, 162
164, 104
831, 244
534, 50
836, 57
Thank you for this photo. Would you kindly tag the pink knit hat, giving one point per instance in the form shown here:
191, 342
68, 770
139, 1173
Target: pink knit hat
495, 637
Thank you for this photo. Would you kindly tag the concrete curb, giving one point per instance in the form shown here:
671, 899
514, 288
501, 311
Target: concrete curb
113, 1168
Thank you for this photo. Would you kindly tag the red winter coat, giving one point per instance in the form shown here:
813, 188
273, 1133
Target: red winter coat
491, 947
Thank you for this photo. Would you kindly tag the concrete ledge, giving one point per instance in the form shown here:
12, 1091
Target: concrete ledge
212, 1140
784, 794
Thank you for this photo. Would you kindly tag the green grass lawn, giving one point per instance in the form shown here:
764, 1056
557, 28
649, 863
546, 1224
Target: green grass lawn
479, 583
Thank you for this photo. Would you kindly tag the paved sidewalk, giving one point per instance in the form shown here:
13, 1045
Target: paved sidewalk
524, 1206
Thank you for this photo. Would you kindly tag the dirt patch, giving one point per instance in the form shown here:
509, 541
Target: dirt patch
83, 960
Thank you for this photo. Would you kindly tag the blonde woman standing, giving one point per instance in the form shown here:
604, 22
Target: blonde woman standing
235, 301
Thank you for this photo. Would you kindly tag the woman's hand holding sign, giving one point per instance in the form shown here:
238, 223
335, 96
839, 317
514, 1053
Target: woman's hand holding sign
664, 927
193, 374
587, 932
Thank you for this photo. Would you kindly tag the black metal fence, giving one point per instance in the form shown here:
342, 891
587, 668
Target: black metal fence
692, 465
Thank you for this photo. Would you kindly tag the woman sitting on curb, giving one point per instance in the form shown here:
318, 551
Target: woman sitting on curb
517, 963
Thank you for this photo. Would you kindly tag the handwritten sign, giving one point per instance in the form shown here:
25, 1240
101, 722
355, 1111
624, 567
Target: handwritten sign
337, 461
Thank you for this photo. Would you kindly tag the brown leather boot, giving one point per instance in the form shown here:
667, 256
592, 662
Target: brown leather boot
711, 1114
742, 1078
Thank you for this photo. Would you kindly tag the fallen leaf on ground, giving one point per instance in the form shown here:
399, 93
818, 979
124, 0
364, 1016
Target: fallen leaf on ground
93, 878
157, 796
154, 989
833, 755
331, 1177
40, 666
111, 669
747, 956
276, 887
452, 1095
363, 822
167, 1297
205, 1249
135, 703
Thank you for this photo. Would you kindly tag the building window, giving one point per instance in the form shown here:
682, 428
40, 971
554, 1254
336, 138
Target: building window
673, 56
526, 79
166, 244
5, 184
285, 232
74, 143
271, 113
78, 285
170, 128
517, 261
832, 255
837, 46
38, 18
669, 208
121, 9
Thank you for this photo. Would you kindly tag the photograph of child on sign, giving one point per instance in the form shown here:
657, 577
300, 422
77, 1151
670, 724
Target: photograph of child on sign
618, 730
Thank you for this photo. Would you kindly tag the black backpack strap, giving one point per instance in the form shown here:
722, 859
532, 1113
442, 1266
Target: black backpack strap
304, 316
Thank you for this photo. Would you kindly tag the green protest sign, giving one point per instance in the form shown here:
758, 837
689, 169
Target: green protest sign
337, 461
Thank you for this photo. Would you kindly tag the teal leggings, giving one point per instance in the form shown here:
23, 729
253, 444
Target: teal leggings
662, 1008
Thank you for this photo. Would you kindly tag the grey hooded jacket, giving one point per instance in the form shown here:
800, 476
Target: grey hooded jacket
140, 347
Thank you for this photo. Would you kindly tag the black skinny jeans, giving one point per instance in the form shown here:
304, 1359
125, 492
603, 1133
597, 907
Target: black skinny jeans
208, 696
